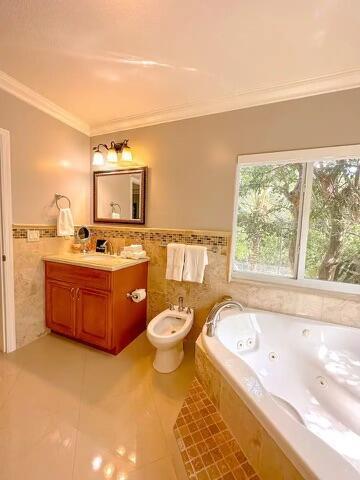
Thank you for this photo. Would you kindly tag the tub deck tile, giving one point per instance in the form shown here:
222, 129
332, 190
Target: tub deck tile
208, 448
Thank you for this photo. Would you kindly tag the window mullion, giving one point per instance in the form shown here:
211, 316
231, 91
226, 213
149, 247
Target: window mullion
304, 218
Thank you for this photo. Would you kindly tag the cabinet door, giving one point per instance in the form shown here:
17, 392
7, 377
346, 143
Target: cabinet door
93, 317
60, 307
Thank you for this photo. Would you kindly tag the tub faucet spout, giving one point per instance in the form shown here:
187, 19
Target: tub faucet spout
215, 312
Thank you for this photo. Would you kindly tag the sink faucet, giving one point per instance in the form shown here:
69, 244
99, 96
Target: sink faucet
109, 249
215, 312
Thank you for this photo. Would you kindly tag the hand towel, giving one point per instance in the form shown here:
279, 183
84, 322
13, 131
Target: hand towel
196, 259
65, 223
175, 261
136, 255
133, 248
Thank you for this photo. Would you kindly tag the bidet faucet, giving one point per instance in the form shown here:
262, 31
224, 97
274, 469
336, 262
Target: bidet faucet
215, 312
181, 304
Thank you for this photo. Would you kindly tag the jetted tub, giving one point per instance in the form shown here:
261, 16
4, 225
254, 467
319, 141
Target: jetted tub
301, 379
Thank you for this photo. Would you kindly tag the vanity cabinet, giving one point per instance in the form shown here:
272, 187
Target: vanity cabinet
60, 307
90, 305
93, 319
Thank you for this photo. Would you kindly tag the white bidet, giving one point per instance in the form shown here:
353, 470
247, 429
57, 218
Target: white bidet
166, 332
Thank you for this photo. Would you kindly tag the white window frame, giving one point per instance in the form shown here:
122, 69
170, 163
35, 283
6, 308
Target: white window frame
293, 156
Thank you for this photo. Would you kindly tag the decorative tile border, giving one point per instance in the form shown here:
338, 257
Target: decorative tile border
45, 231
208, 448
164, 238
193, 237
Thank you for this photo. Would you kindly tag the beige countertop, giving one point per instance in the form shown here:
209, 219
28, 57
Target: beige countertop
100, 261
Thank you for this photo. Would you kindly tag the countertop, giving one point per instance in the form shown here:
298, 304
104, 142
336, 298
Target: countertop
99, 261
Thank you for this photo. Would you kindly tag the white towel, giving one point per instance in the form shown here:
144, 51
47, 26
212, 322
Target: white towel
196, 259
133, 248
133, 255
175, 261
65, 223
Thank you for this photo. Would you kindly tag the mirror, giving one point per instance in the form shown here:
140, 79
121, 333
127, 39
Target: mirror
83, 234
119, 196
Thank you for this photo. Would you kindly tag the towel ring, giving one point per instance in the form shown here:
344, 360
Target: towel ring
113, 205
58, 197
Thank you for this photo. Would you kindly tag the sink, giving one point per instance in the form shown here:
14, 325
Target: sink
94, 260
103, 258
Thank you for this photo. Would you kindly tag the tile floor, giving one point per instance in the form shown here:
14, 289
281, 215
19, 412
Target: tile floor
208, 448
71, 412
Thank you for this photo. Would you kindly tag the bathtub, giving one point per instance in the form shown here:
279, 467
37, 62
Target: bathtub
301, 379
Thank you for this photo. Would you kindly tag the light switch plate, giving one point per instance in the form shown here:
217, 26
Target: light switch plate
33, 236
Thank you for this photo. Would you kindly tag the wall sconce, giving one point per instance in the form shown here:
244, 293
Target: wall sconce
112, 153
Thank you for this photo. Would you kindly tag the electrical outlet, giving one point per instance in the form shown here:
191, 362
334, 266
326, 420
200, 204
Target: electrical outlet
33, 236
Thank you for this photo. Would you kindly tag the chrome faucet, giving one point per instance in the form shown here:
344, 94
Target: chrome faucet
215, 312
109, 249
181, 307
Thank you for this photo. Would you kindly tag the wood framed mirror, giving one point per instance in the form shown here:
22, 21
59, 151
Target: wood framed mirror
120, 196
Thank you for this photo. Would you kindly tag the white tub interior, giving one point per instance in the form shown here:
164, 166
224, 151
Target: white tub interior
310, 369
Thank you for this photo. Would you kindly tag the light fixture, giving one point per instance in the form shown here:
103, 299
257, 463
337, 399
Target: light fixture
126, 154
112, 156
112, 153
98, 157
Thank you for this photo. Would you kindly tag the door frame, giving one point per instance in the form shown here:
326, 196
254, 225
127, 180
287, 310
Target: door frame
6, 244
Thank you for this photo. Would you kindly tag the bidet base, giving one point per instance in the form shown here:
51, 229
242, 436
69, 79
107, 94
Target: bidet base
167, 361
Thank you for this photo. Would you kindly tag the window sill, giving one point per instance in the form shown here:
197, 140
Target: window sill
320, 286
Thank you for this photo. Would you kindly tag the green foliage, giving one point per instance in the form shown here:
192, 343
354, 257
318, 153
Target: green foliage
268, 212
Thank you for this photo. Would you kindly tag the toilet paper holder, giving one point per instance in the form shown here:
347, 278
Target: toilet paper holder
136, 295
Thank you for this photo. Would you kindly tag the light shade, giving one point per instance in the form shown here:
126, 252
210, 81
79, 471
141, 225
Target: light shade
98, 158
126, 154
112, 156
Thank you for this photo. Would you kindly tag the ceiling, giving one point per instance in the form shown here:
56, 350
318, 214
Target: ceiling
124, 62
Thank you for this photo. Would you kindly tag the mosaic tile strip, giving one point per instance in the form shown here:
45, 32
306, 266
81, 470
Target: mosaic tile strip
208, 449
158, 236
47, 231
164, 238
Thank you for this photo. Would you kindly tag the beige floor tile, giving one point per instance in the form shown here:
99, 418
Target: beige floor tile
46, 451
9, 370
159, 470
70, 412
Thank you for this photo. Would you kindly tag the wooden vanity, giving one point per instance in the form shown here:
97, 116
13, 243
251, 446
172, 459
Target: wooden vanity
86, 299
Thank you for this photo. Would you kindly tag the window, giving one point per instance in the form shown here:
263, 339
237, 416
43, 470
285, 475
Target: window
297, 218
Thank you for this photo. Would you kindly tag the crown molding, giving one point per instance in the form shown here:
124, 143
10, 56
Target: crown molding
314, 86
21, 91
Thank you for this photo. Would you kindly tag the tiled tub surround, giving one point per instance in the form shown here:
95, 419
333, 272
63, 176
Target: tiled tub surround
29, 295
208, 449
262, 451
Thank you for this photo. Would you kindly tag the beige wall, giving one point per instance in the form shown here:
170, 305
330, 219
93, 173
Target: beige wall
192, 162
46, 157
